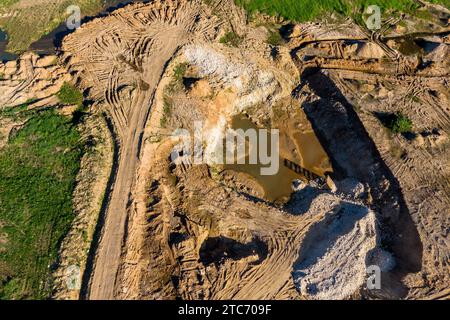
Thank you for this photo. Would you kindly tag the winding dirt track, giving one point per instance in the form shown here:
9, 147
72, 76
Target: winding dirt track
122, 67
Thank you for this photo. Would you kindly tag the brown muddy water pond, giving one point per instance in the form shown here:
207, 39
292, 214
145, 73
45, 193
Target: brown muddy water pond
5, 56
298, 143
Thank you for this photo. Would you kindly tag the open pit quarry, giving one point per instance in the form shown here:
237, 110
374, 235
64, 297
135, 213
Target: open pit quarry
349, 194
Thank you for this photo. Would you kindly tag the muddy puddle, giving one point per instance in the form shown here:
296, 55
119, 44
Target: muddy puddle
417, 44
5, 56
298, 144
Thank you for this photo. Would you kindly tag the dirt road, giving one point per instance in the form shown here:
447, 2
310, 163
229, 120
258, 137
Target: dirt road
121, 67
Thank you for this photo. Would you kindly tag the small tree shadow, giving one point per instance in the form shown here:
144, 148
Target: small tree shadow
389, 119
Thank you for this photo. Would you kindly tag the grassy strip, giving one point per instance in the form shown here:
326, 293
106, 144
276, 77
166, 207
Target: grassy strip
6, 3
38, 168
15, 112
307, 10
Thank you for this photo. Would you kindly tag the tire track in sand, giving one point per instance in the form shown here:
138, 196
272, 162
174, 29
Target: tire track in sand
120, 60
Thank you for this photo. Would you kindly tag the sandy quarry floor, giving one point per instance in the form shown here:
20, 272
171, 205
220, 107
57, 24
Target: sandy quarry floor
177, 230
172, 231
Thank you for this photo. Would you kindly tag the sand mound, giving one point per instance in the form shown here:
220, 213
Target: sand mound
332, 261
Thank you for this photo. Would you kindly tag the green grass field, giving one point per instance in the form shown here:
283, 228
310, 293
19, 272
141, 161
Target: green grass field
305, 10
5, 3
33, 20
38, 168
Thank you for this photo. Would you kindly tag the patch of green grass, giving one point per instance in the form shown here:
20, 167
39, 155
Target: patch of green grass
13, 112
38, 168
398, 123
167, 111
19, 112
231, 39
179, 71
70, 95
445, 3
176, 84
274, 38
307, 10
424, 14
6, 3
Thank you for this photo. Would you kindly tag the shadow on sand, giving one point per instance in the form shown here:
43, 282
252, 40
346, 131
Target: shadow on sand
354, 154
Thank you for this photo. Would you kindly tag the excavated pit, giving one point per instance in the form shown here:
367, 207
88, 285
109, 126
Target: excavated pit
216, 250
297, 143
177, 230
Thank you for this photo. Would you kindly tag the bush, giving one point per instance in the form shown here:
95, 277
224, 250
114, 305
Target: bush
69, 95
400, 123
274, 38
179, 71
231, 39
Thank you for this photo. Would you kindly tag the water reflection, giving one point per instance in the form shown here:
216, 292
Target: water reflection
299, 146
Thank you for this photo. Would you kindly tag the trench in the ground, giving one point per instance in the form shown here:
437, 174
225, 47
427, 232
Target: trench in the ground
216, 249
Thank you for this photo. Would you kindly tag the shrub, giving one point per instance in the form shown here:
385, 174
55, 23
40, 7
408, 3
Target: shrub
231, 39
274, 38
400, 123
69, 95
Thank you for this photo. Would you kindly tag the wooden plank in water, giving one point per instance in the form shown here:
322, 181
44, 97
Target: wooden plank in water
300, 170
